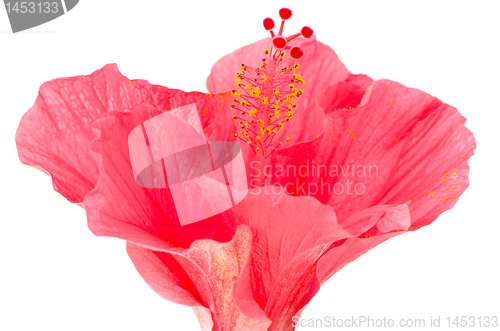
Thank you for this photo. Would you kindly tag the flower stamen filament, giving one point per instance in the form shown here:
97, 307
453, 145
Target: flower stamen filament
267, 95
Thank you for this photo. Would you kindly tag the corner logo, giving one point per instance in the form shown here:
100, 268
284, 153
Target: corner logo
24, 15
171, 150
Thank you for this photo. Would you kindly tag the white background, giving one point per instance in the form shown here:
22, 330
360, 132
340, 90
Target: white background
56, 275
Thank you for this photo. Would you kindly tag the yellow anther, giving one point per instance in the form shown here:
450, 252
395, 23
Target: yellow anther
255, 92
266, 51
299, 79
278, 99
240, 75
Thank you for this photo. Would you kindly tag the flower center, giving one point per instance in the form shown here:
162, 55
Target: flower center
265, 98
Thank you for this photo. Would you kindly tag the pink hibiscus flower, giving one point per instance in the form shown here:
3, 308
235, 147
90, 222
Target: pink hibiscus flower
337, 163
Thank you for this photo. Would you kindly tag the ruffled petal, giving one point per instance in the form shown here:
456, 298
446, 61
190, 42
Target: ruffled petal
202, 276
118, 207
164, 275
338, 257
369, 228
54, 135
398, 145
290, 235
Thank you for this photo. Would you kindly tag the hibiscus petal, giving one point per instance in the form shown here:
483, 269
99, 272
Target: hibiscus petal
369, 228
202, 276
54, 135
290, 235
204, 317
120, 208
163, 274
337, 258
407, 144
416, 141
